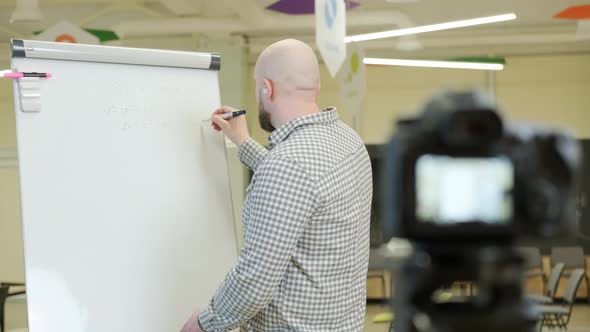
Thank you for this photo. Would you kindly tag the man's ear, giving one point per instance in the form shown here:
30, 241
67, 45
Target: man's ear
268, 90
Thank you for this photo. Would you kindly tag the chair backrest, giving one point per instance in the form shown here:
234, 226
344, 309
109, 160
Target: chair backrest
3, 295
572, 285
532, 257
554, 277
572, 257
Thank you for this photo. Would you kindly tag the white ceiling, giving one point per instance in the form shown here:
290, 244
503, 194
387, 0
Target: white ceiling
535, 31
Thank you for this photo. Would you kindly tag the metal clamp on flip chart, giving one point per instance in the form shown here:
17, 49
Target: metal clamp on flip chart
29, 88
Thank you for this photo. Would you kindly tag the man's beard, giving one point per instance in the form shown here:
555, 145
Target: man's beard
264, 119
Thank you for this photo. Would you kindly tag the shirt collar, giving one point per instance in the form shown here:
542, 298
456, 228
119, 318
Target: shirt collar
327, 115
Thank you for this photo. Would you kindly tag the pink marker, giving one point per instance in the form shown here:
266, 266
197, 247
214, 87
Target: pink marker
21, 75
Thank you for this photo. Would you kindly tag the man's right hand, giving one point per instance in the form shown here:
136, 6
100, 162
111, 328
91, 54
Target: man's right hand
235, 129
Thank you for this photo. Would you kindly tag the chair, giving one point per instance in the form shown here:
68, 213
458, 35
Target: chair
559, 316
381, 276
554, 277
574, 258
533, 264
376, 270
4, 294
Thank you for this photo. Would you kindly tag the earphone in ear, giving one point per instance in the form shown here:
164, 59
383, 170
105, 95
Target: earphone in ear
264, 91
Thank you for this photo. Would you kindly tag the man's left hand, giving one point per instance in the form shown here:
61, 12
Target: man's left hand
192, 324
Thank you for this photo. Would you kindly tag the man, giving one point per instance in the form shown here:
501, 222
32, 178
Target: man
306, 215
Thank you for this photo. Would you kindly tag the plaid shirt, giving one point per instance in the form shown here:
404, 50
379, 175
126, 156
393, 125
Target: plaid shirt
306, 230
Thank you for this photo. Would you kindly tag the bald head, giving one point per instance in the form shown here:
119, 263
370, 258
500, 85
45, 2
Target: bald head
287, 77
291, 65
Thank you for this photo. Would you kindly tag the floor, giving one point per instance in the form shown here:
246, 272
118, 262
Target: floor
580, 319
16, 318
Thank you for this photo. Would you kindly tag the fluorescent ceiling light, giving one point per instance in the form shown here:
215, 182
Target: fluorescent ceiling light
432, 27
434, 64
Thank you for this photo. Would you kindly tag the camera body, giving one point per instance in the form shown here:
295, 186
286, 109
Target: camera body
462, 185
457, 173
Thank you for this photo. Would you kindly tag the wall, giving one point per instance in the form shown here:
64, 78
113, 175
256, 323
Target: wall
552, 90
7, 129
11, 245
11, 248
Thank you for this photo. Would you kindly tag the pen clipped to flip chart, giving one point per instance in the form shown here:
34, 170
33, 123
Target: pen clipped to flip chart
29, 88
17, 75
227, 116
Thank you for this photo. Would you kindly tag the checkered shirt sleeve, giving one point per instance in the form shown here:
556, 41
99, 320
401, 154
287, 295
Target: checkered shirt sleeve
251, 153
283, 201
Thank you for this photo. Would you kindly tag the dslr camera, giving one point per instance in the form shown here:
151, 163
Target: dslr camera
463, 185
